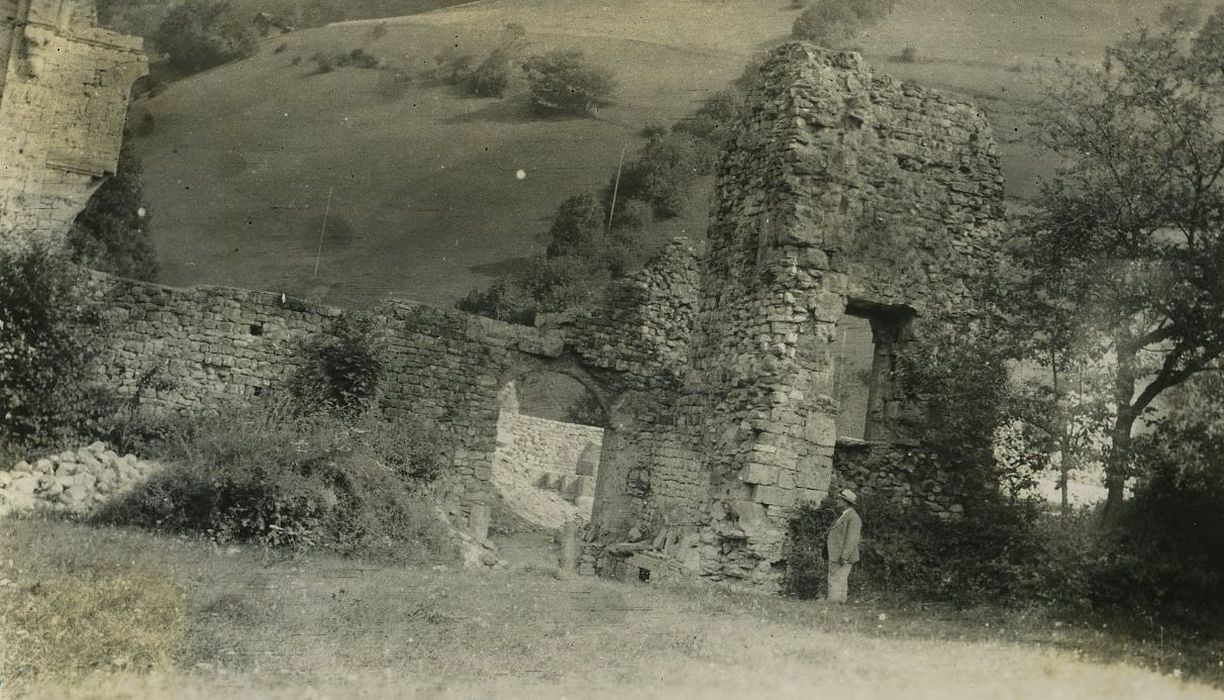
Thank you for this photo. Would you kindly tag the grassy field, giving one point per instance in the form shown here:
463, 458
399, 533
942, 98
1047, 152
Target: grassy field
417, 182
239, 622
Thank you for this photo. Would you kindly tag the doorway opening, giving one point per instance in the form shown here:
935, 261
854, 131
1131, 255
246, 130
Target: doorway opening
550, 434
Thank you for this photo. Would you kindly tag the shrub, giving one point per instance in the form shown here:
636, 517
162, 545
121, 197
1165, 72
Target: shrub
991, 554
341, 368
712, 121
563, 82
200, 34
453, 65
504, 300
1156, 559
834, 22
578, 227
112, 232
301, 482
908, 55
50, 328
663, 173
492, 77
631, 215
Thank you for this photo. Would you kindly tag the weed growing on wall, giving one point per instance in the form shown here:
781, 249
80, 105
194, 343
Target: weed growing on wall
340, 369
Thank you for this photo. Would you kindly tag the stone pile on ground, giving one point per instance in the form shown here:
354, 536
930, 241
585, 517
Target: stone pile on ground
73, 482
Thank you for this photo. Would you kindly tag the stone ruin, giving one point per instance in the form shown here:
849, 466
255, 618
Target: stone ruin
64, 86
853, 211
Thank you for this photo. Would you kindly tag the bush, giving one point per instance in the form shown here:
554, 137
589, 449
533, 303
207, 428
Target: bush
834, 22
111, 233
341, 368
453, 66
713, 120
492, 77
631, 215
302, 482
578, 227
908, 55
664, 172
1157, 559
200, 34
991, 554
563, 82
50, 329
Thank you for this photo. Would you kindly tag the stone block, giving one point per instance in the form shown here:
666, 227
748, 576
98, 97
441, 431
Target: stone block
755, 473
774, 496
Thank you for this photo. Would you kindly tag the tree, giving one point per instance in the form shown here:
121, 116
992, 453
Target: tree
563, 82
49, 321
112, 232
834, 22
578, 228
664, 171
1127, 239
200, 34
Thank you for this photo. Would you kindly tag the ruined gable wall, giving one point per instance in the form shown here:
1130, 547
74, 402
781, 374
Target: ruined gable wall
841, 186
64, 86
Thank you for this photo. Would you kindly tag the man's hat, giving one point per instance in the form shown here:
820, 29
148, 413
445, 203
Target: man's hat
848, 496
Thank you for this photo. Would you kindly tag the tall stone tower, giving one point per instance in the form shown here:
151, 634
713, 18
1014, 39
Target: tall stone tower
64, 85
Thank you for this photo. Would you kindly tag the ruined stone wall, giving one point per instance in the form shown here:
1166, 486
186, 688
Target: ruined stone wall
215, 346
64, 86
638, 339
542, 445
842, 189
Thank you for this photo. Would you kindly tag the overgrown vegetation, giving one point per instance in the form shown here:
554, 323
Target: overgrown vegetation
112, 233
340, 368
200, 34
563, 82
283, 479
50, 327
832, 23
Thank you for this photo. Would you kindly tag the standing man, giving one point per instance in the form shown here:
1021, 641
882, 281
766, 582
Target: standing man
842, 546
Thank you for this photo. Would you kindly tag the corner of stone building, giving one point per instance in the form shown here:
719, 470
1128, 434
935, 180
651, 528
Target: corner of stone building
64, 91
844, 190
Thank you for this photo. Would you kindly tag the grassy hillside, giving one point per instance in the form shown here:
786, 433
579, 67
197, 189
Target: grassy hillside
424, 202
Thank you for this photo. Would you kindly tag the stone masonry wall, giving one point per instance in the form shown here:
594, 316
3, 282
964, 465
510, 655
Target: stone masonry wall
64, 87
842, 189
544, 445
216, 346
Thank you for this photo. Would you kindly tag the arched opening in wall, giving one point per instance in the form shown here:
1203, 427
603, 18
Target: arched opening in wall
550, 432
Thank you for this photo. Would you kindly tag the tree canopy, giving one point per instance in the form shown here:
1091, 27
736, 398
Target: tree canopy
1126, 242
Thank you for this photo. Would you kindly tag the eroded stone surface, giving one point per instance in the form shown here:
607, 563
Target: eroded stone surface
64, 87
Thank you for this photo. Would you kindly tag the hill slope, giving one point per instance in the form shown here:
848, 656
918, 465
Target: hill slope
417, 183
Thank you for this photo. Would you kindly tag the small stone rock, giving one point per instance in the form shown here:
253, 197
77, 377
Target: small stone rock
97, 447
43, 466
22, 466
67, 469
75, 495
